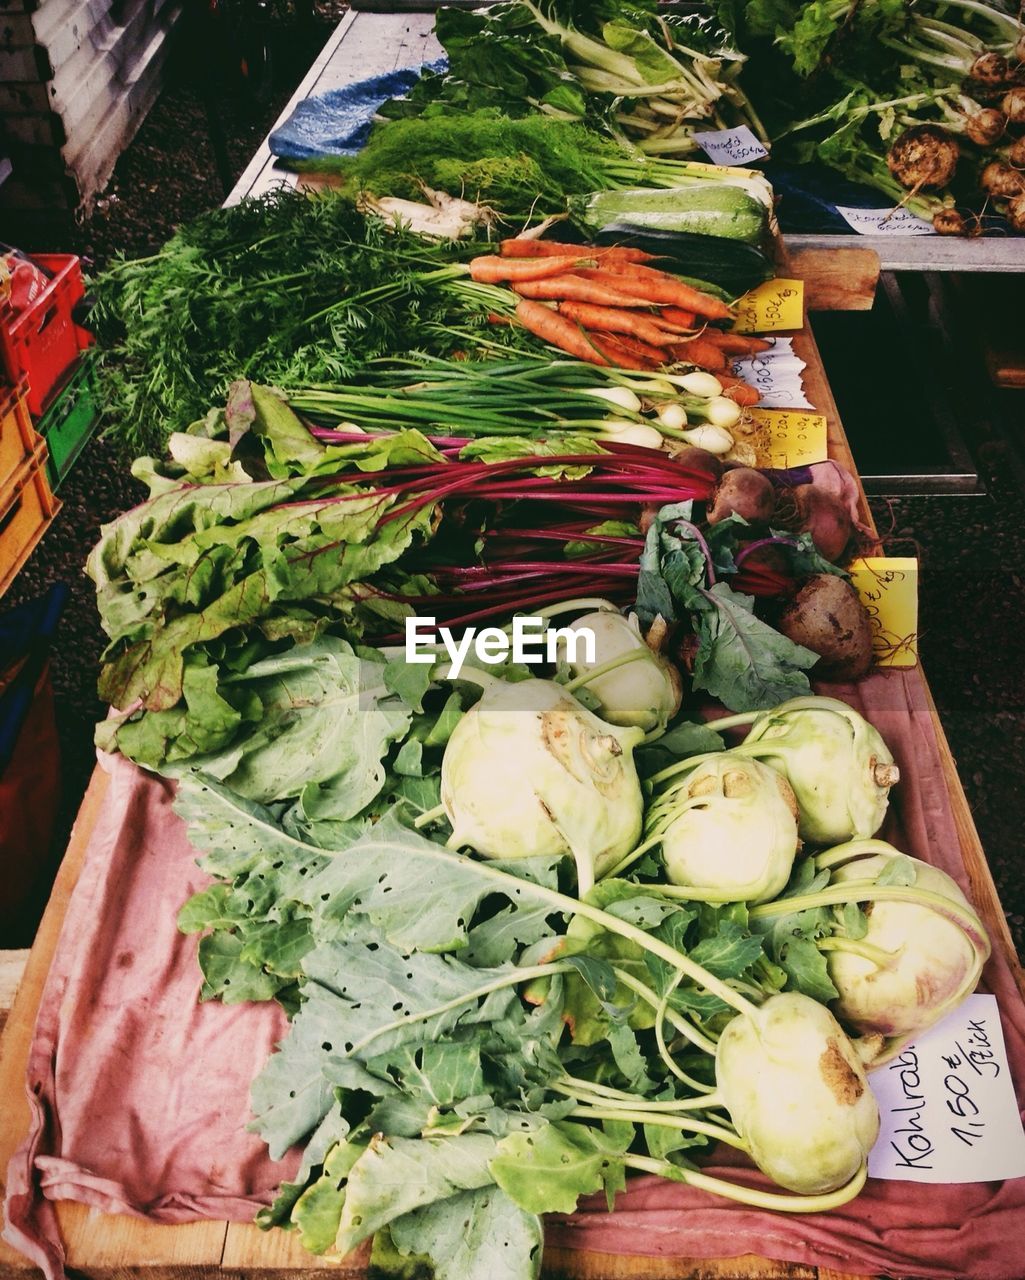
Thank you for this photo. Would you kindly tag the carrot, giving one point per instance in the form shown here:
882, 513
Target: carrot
657, 287
699, 352
615, 320
494, 318
572, 289
735, 344
612, 348
738, 390
642, 350
491, 269
549, 326
522, 248
671, 317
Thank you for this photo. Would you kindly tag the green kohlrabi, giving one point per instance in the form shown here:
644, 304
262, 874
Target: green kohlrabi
726, 826
840, 768
796, 1090
644, 692
530, 771
906, 946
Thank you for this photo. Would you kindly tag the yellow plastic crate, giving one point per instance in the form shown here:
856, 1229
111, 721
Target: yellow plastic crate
18, 440
27, 508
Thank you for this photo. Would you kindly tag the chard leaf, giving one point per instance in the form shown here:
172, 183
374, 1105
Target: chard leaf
395, 1176
549, 1169
476, 1235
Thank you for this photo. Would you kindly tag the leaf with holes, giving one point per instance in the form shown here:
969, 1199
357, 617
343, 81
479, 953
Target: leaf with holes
420, 896
549, 1169
395, 1176
476, 1235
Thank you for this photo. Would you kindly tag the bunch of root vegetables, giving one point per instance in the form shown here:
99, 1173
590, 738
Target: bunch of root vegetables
610, 306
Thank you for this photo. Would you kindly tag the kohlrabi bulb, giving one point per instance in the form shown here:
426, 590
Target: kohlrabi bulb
796, 1091
838, 765
646, 692
729, 828
934, 962
528, 770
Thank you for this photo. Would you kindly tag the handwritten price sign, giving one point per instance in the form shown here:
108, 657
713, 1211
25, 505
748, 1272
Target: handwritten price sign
776, 304
888, 587
731, 147
790, 438
947, 1104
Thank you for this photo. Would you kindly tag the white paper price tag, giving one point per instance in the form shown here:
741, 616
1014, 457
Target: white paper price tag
730, 146
885, 222
947, 1104
776, 375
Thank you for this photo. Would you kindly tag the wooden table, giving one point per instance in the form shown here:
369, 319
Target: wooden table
124, 1248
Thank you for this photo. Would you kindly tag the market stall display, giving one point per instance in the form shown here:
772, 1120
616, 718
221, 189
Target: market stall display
517, 932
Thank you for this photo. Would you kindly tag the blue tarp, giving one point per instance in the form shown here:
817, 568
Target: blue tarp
337, 123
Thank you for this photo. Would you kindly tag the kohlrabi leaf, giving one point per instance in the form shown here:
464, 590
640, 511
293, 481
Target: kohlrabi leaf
420, 896
476, 1235
318, 1210
397, 1175
549, 1169
230, 976
806, 969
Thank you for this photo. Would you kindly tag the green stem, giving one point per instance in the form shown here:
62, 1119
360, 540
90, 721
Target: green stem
612, 665
574, 1085
660, 1121
750, 1195
852, 849
676, 1020
733, 722
875, 955
432, 815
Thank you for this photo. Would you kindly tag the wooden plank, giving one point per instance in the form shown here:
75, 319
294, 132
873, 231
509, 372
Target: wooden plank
278, 1255
837, 280
574, 1264
12, 967
926, 253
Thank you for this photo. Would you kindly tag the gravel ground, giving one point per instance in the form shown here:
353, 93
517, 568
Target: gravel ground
972, 549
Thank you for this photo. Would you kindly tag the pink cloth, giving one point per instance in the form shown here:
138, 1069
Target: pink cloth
140, 1095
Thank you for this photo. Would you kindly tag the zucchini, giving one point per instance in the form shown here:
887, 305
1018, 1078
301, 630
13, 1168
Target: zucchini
732, 264
707, 209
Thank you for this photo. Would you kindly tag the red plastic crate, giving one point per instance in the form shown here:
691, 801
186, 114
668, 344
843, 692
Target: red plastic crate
43, 342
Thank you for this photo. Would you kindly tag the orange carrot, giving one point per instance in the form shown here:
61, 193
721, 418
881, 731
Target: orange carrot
657, 287
735, 344
699, 352
491, 269
549, 326
675, 316
738, 390
572, 289
615, 352
642, 350
521, 248
616, 320
494, 318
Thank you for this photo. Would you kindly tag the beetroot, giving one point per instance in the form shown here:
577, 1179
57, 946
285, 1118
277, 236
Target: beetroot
826, 519
743, 492
827, 617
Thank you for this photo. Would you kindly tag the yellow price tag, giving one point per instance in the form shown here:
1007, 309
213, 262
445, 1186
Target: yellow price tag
789, 438
888, 587
776, 304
